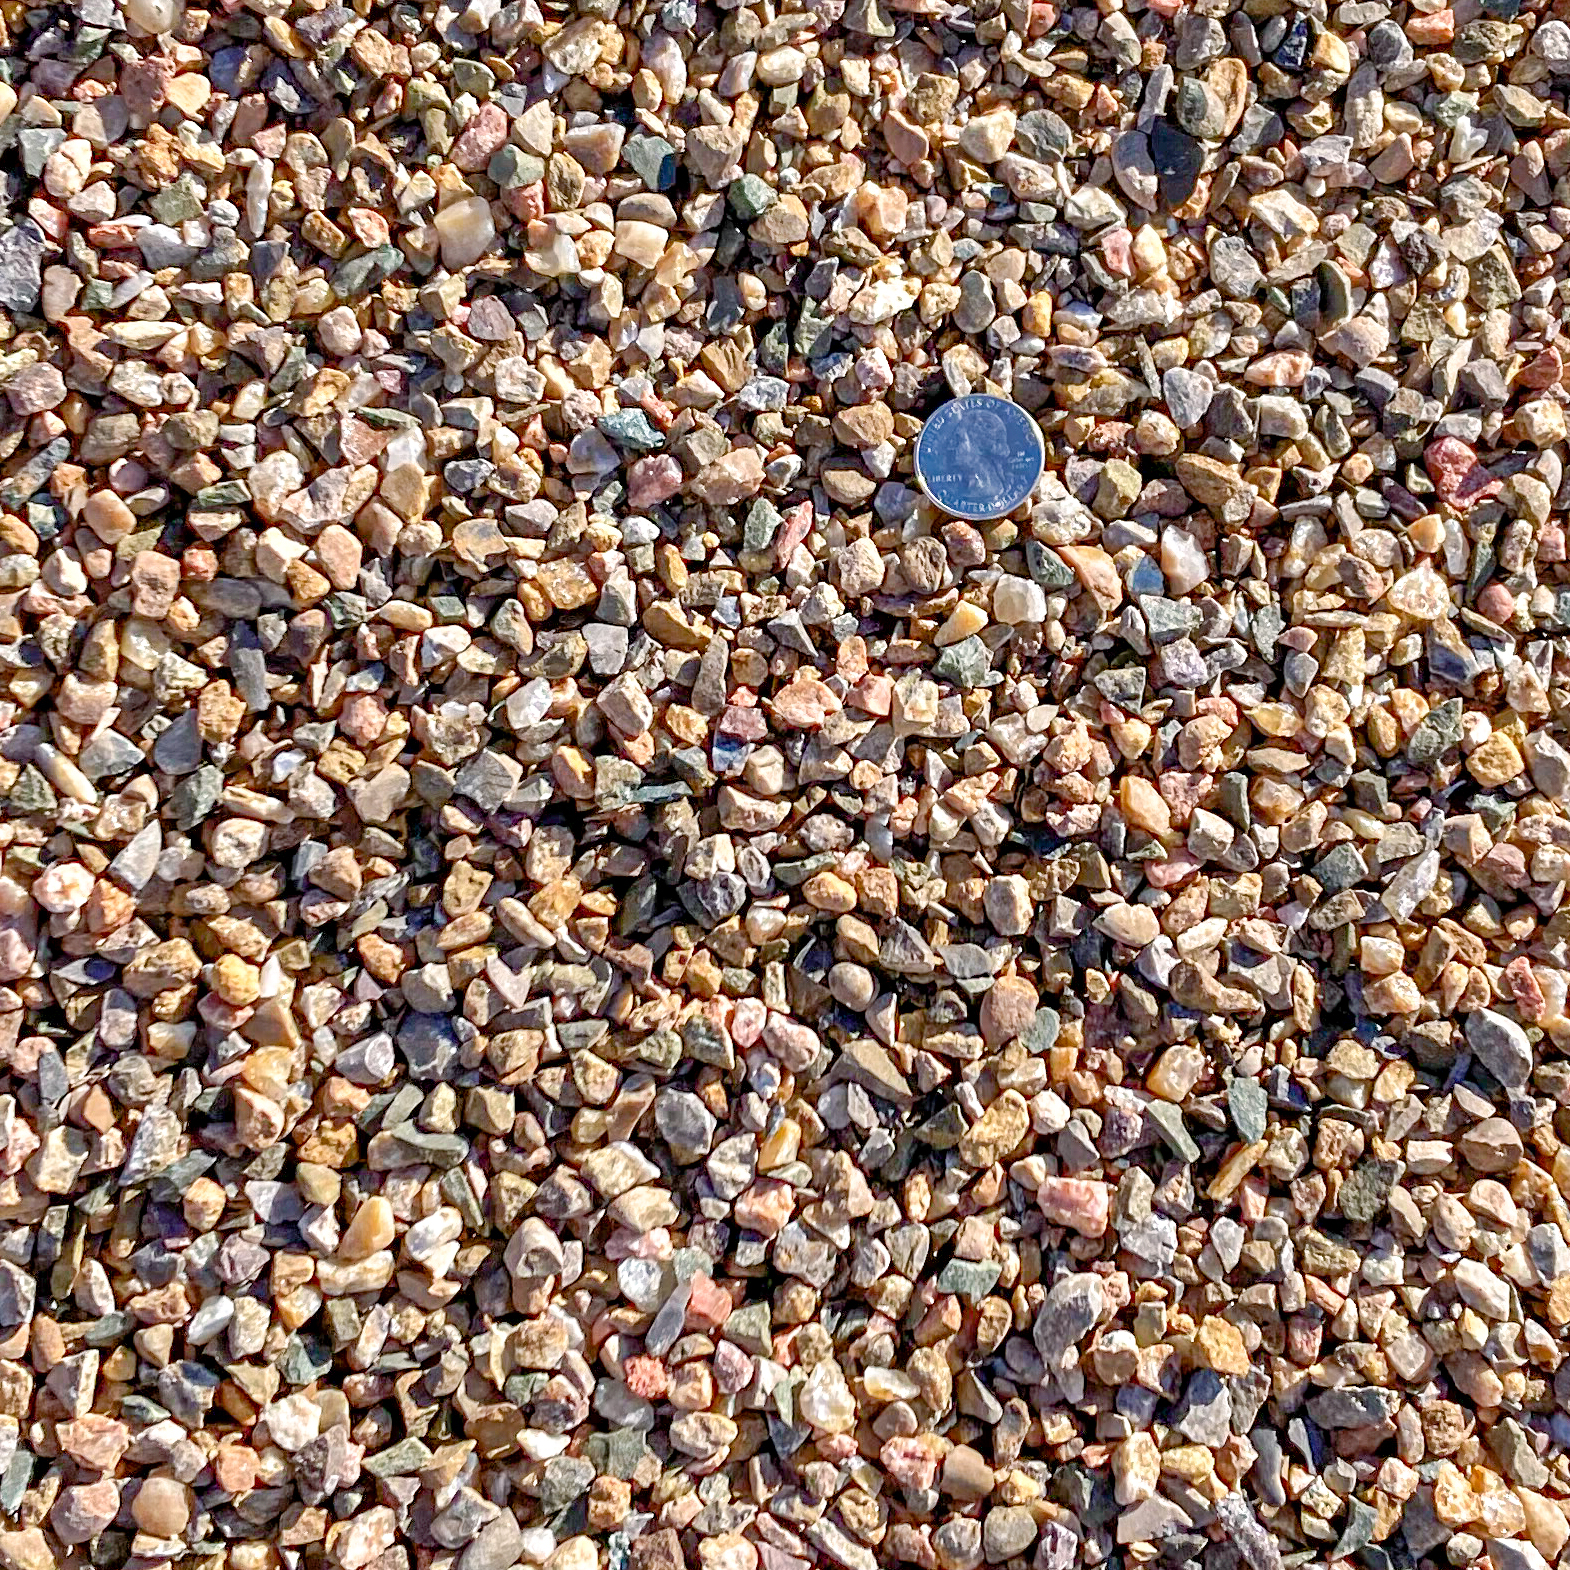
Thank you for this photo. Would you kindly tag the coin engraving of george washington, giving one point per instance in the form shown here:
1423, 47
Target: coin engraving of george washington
979, 456
975, 445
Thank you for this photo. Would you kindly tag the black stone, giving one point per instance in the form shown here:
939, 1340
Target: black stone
1178, 158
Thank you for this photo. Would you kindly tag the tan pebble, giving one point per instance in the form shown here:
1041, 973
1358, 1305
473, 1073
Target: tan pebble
370, 1231
162, 1507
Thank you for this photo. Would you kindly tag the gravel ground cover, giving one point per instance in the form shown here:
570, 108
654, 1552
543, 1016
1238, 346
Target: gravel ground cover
586, 981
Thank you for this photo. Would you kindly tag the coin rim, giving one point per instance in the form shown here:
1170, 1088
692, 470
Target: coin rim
1041, 456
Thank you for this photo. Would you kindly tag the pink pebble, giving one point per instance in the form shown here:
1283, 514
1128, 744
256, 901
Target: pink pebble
1496, 603
733, 1368
483, 135
1507, 863
709, 1306
765, 1207
1521, 981
1075, 1202
1177, 868
363, 718
747, 1022
794, 1044
221, 1015
15, 1156
1438, 27
1282, 368
1457, 475
652, 480
805, 703
1116, 251
746, 724
873, 694
645, 1377
1183, 791
525, 202
794, 528
1543, 370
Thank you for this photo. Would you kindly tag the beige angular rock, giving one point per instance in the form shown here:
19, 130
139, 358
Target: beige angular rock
466, 230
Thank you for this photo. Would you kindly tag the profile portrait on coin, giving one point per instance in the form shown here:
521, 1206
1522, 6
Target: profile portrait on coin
978, 442
979, 456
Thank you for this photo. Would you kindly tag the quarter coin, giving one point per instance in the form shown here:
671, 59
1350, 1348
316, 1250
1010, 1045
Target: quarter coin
979, 456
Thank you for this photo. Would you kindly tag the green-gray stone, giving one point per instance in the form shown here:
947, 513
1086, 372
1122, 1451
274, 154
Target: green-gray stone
456, 1191
1437, 732
196, 795
31, 477
295, 368
1047, 567
473, 77
88, 45
774, 348
944, 1129
512, 168
652, 159
18, 1477
1041, 1033
704, 1040
421, 94
399, 1460
1493, 280
763, 521
304, 1359
1366, 1189
32, 792
438, 1150
565, 1478
631, 429
964, 663
616, 1454
785, 1399
1200, 111
969, 1278
1482, 39
522, 1388
751, 1327
226, 493
1359, 1530
1168, 1118
1247, 1105
814, 330
1341, 867
358, 277
387, 419
1449, 109
1324, 1256
751, 196
180, 201
661, 1049
343, 1321
36, 144
689, 1262
107, 1330
347, 610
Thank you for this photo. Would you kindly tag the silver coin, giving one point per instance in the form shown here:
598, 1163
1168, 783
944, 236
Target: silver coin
979, 456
